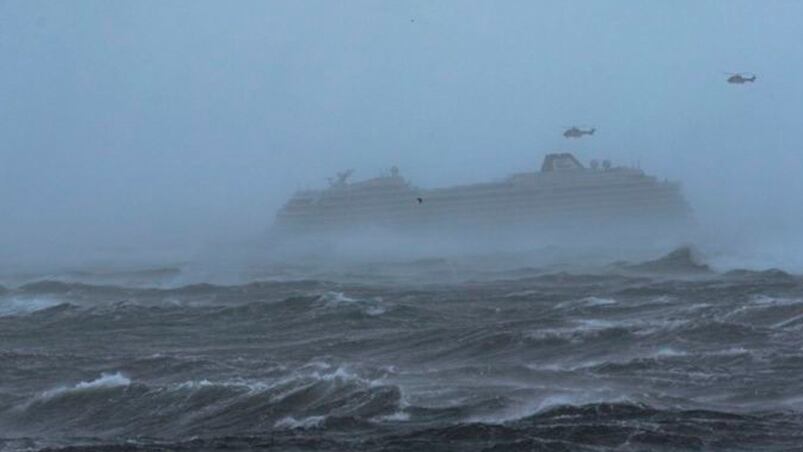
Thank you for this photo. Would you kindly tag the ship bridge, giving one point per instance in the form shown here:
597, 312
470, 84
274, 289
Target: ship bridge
560, 162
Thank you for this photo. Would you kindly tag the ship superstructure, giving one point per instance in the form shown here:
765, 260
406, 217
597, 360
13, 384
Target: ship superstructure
563, 194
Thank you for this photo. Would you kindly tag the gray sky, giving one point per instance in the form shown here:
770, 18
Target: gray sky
164, 124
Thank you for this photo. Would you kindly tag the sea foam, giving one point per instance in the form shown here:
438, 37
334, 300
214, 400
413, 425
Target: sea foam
106, 380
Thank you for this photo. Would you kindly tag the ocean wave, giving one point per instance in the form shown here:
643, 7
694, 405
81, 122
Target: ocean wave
765, 300
52, 286
586, 302
794, 322
371, 306
19, 305
584, 330
560, 422
116, 402
614, 425
291, 423
106, 380
770, 275
669, 352
654, 359
552, 361
763, 311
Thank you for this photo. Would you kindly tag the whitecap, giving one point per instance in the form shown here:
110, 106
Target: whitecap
106, 380
563, 367
250, 386
375, 310
21, 306
398, 416
523, 293
567, 397
665, 352
340, 374
291, 423
372, 307
336, 298
733, 351
586, 302
584, 328
774, 301
788, 321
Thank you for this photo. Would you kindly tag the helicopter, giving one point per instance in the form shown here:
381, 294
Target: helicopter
575, 132
740, 78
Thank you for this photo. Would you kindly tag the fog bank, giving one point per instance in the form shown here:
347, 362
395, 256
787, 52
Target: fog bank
157, 131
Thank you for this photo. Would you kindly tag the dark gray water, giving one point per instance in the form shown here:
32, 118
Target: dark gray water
667, 355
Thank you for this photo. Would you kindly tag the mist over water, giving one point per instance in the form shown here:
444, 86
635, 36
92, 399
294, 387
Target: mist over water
128, 137
146, 148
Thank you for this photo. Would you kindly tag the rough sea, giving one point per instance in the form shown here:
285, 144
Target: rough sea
422, 355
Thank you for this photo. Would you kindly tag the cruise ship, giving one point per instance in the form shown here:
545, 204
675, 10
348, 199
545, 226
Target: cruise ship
565, 196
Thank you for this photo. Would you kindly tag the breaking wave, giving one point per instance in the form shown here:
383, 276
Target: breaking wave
105, 381
13, 306
525, 359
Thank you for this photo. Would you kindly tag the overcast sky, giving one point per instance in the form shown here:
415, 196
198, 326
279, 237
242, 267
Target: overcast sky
156, 124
